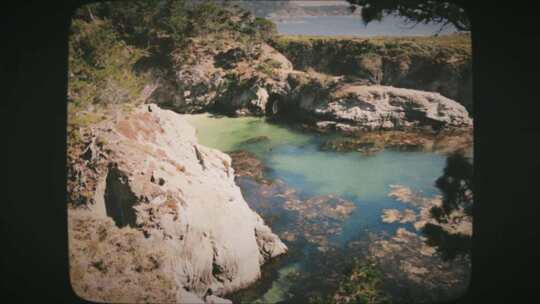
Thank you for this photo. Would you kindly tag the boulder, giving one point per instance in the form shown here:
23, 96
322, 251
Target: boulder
375, 107
158, 216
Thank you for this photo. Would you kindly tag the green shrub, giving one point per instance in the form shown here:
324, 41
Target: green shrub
266, 28
108, 39
266, 69
100, 65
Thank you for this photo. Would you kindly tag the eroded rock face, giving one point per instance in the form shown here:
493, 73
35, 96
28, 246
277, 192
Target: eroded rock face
415, 272
236, 78
368, 143
161, 218
351, 107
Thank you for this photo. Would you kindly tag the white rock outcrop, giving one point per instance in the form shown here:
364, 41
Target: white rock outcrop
164, 220
371, 107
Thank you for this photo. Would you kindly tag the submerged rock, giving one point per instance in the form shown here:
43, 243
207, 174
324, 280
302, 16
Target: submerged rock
248, 165
257, 139
328, 206
457, 223
394, 215
432, 264
414, 272
445, 142
162, 219
314, 219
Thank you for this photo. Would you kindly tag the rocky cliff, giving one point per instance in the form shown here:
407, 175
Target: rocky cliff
156, 217
226, 75
436, 64
241, 79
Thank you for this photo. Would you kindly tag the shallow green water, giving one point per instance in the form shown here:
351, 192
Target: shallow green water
294, 157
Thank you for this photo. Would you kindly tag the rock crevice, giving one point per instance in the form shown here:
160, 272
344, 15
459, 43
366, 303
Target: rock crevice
119, 199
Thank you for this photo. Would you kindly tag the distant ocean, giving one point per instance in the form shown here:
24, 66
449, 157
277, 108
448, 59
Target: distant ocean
353, 26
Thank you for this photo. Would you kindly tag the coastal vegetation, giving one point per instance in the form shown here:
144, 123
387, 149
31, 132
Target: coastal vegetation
118, 49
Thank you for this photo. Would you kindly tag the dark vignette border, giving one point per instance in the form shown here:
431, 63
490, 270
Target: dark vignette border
34, 264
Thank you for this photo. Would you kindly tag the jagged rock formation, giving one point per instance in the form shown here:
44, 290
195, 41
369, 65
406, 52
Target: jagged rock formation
156, 217
414, 262
226, 75
239, 78
444, 142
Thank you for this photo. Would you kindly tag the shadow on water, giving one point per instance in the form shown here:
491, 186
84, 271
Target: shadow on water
456, 185
449, 245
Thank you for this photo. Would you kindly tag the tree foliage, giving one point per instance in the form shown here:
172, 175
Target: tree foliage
415, 11
100, 65
151, 22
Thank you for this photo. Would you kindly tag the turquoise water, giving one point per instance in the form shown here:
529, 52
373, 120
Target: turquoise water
294, 157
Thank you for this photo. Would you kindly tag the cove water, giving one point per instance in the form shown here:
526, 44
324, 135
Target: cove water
294, 157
